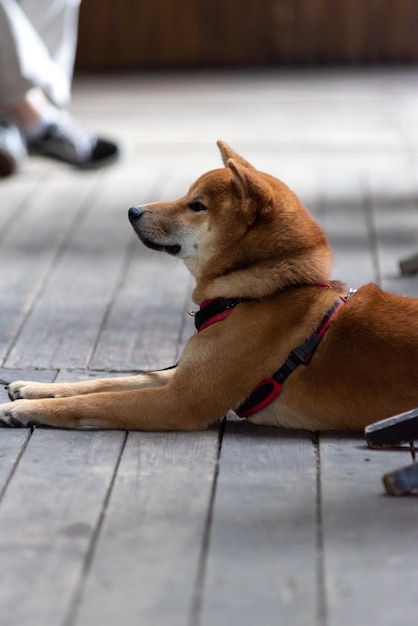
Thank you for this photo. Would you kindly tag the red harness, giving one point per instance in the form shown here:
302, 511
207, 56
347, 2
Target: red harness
213, 311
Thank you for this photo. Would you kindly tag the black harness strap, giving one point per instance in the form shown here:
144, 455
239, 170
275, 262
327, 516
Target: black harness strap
271, 387
211, 309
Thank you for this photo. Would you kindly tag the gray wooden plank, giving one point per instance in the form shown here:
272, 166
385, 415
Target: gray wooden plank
264, 107
369, 538
13, 441
149, 552
394, 209
48, 520
261, 566
143, 326
343, 214
31, 245
306, 116
12, 446
14, 196
63, 325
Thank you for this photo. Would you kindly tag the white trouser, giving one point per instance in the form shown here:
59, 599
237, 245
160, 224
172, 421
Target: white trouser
38, 40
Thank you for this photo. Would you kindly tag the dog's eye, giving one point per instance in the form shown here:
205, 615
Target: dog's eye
197, 206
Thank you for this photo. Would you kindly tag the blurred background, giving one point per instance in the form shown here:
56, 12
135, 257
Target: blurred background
322, 93
132, 34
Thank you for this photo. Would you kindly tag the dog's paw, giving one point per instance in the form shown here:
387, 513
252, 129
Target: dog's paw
19, 414
28, 390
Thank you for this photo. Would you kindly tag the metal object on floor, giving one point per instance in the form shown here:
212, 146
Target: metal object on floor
391, 432
402, 481
409, 265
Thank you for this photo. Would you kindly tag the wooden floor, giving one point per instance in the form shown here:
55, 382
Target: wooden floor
239, 525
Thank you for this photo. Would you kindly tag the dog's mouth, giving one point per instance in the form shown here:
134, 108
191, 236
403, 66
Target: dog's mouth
135, 214
173, 249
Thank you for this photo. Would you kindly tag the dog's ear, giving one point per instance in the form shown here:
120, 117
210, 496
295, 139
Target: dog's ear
227, 153
254, 193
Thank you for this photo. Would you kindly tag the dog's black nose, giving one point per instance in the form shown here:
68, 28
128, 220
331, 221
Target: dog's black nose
135, 212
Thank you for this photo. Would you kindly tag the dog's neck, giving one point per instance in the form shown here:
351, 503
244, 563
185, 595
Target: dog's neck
213, 311
259, 283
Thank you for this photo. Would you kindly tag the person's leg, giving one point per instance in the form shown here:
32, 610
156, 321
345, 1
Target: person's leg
12, 148
24, 63
27, 60
37, 49
56, 23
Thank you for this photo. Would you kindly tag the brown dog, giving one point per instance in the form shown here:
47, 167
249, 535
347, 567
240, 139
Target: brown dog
277, 342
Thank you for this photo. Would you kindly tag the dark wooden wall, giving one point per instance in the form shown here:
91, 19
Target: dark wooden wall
135, 34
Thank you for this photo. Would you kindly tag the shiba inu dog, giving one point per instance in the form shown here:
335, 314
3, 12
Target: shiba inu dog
278, 341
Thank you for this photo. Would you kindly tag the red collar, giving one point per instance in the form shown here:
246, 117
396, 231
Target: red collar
216, 310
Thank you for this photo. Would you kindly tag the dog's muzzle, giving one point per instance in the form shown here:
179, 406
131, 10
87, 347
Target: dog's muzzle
135, 212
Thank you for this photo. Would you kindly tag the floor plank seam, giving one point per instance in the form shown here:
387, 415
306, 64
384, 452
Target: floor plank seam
16, 464
197, 600
322, 618
71, 617
44, 279
370, 213
129, 255
21, 208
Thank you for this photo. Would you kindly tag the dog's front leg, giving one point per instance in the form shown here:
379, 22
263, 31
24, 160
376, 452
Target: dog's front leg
30, 390
143, 409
